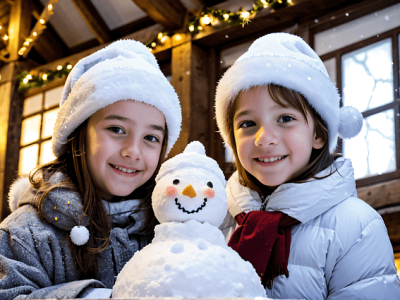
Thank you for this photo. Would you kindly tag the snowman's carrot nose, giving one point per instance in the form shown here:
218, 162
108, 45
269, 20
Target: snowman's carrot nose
189, 191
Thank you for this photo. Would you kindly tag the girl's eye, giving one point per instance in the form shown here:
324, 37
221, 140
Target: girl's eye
246, 124
285, 119
116, 129
152, 138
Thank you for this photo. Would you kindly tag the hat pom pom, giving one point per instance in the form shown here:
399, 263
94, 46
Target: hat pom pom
196, 147
79, 235
351, 122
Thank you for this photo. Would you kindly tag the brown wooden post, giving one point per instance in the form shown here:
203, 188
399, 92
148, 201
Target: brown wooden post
5, 103
193, 77
11, 101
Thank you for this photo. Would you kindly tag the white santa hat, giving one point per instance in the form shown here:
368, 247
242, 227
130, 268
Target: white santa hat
121, 71
194, 157
287, 60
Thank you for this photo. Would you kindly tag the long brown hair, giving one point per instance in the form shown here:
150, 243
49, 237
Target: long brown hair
320, 159
73, 164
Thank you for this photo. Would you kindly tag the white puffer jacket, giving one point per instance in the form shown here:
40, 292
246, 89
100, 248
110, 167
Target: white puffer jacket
341, 249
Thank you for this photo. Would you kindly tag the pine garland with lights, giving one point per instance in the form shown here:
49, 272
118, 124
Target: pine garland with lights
27, 81
194, 24
218, 17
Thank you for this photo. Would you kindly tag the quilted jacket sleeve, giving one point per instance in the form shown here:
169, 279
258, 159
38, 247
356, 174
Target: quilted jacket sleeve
33, 262
365, 266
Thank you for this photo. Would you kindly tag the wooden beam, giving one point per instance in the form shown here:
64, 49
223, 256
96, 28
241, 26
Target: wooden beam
49, 45
381, 195
19, 27
169, 13
93, 19
191, 68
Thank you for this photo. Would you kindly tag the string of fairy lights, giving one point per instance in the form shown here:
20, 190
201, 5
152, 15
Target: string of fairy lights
209, 17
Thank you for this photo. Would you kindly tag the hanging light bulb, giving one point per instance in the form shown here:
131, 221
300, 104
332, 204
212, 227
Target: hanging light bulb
264, 3
59, 67
42, 21
164, 38
206, 20
160, 35
191, 28
226, 17
153, 44
69, 67
44, 77
34, 33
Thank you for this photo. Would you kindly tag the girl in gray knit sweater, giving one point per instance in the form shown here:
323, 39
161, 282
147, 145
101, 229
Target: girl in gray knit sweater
78, 219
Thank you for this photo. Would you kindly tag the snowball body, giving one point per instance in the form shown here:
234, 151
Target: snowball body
188, 260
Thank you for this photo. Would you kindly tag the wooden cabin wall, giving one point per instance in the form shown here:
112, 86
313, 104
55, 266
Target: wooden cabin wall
195, 72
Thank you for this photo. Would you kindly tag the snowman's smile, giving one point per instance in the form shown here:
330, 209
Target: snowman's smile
193, 211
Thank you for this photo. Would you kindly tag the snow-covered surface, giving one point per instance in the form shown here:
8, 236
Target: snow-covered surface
188, 260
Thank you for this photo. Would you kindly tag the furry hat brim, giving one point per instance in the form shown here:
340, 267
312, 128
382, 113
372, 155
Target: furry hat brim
285, 60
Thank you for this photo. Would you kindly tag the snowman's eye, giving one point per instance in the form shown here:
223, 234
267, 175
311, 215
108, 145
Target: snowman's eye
209, 184
176, 181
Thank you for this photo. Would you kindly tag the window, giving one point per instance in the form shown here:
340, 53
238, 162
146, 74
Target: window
362, 56
39, 114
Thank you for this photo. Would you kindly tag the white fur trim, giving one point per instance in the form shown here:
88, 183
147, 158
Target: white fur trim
194, 156
17, 188
110, 75
285, 60
79, 235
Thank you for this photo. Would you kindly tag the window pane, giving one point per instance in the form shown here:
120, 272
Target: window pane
46, 155
28, 159
52, 97
230, 55
357, 30
373, 150
49, 119
368, 76
32, 104
30, 129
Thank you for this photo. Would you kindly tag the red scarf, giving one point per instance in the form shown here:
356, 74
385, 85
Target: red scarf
263, 239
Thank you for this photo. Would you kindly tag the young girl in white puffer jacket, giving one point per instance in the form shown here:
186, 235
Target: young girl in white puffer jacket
301, 224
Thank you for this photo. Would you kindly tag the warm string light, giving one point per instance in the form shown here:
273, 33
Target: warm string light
38, 28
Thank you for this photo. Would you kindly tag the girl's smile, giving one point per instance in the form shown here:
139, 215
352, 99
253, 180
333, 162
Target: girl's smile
274, 143
123, 146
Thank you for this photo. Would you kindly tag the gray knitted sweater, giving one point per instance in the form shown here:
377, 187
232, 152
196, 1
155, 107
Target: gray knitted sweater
35, 256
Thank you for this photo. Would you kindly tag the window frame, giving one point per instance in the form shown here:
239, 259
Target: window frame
34, 92
393, 34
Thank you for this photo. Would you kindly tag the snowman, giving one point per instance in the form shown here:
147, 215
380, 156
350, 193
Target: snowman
188, 256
